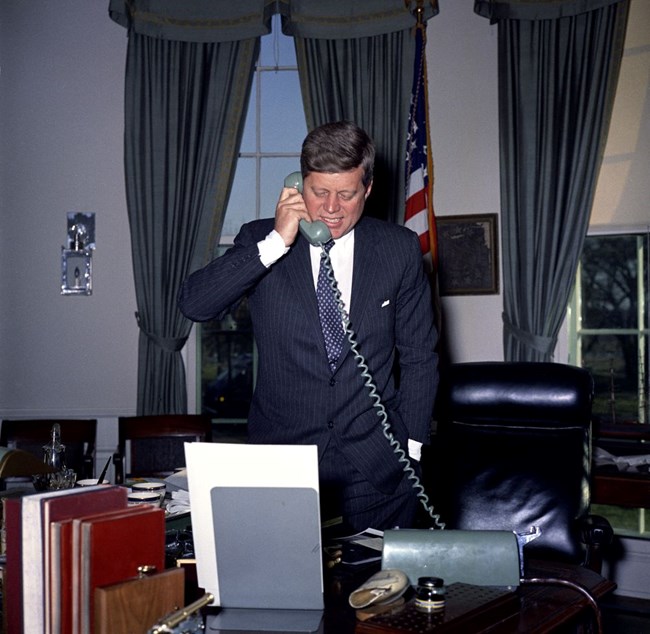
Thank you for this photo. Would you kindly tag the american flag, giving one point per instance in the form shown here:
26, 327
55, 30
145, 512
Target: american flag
418, 214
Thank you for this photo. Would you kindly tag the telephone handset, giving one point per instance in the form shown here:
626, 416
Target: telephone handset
316, 232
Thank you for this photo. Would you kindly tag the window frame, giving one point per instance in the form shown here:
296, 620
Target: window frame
620, 496
642, 332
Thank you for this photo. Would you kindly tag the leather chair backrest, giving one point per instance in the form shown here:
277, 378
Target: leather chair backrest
157, 442
514, 445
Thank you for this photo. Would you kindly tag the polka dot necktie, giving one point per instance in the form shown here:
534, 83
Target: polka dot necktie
330, 316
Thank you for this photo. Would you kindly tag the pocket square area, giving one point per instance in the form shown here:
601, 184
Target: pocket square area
385, 303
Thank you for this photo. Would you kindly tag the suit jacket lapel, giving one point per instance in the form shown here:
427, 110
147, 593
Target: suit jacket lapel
299, 269
366, 265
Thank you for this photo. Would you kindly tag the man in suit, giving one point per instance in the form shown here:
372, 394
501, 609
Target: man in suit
301, 396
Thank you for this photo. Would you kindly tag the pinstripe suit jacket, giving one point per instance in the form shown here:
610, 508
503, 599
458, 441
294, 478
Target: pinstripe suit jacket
297, 399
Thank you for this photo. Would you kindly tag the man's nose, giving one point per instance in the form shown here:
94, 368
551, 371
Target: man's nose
331, 203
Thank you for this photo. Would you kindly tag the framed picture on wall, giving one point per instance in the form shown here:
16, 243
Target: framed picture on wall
468, 254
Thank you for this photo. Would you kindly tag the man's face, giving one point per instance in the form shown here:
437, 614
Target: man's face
336, 199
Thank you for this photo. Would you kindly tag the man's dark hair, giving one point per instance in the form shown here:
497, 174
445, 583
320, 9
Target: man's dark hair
338, 147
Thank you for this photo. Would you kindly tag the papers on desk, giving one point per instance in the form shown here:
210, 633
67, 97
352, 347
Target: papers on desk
360, 548
638, 463
180, 496
177, 481
180, 503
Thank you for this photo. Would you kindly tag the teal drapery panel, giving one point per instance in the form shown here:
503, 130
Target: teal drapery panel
556, 83
184, 111
368, 81
536, 9
357, 64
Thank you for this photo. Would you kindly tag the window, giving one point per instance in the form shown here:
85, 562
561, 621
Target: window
273, 134
609, 334
611, 325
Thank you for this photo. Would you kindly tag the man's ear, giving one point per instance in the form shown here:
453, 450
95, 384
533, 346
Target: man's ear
368, 189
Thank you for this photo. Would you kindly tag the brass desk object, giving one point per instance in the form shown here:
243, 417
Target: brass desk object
181, 617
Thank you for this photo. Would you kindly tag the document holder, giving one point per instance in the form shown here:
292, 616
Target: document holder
249, 621
482, 558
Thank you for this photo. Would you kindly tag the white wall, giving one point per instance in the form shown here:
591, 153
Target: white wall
630, 569
61, 126
465, 146
623, 189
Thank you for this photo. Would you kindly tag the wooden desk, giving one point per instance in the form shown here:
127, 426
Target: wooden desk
537, 609
547, 608
541, 609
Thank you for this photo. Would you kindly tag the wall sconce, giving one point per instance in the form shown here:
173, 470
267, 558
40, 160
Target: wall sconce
77, 255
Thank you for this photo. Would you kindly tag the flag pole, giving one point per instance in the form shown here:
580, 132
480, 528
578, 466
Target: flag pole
419, 210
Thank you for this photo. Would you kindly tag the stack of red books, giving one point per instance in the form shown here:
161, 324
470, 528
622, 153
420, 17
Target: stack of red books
62, 545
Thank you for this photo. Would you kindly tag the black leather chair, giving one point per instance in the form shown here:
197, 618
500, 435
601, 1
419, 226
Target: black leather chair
78, 436
156, 443
513, 450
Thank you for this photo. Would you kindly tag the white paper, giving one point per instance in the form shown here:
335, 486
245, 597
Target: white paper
230, 464
622, 463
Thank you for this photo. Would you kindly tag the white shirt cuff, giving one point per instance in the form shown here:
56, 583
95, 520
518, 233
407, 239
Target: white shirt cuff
415, 449
271, 249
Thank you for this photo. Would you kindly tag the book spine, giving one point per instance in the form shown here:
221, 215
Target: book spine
13, 582
55, 576
33, 571
76, 579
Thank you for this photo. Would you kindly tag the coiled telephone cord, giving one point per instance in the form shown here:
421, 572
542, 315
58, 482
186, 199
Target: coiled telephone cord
377, 403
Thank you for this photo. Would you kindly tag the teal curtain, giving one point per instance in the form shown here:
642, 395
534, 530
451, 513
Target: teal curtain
335, 87
195, 20
557, 77
184, 112
362, 70
536, 9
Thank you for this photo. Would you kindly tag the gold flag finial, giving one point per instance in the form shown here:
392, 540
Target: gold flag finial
418, 11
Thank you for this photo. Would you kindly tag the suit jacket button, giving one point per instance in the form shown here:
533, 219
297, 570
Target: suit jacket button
330, 424
332, 382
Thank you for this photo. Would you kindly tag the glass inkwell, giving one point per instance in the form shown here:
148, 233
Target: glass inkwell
430, 595
54, 456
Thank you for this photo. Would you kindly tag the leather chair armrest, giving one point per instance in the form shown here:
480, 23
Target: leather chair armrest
597, 535
118, 466
87, 467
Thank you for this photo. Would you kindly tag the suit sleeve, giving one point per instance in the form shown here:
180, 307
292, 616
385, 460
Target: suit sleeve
212, 291
416, 339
